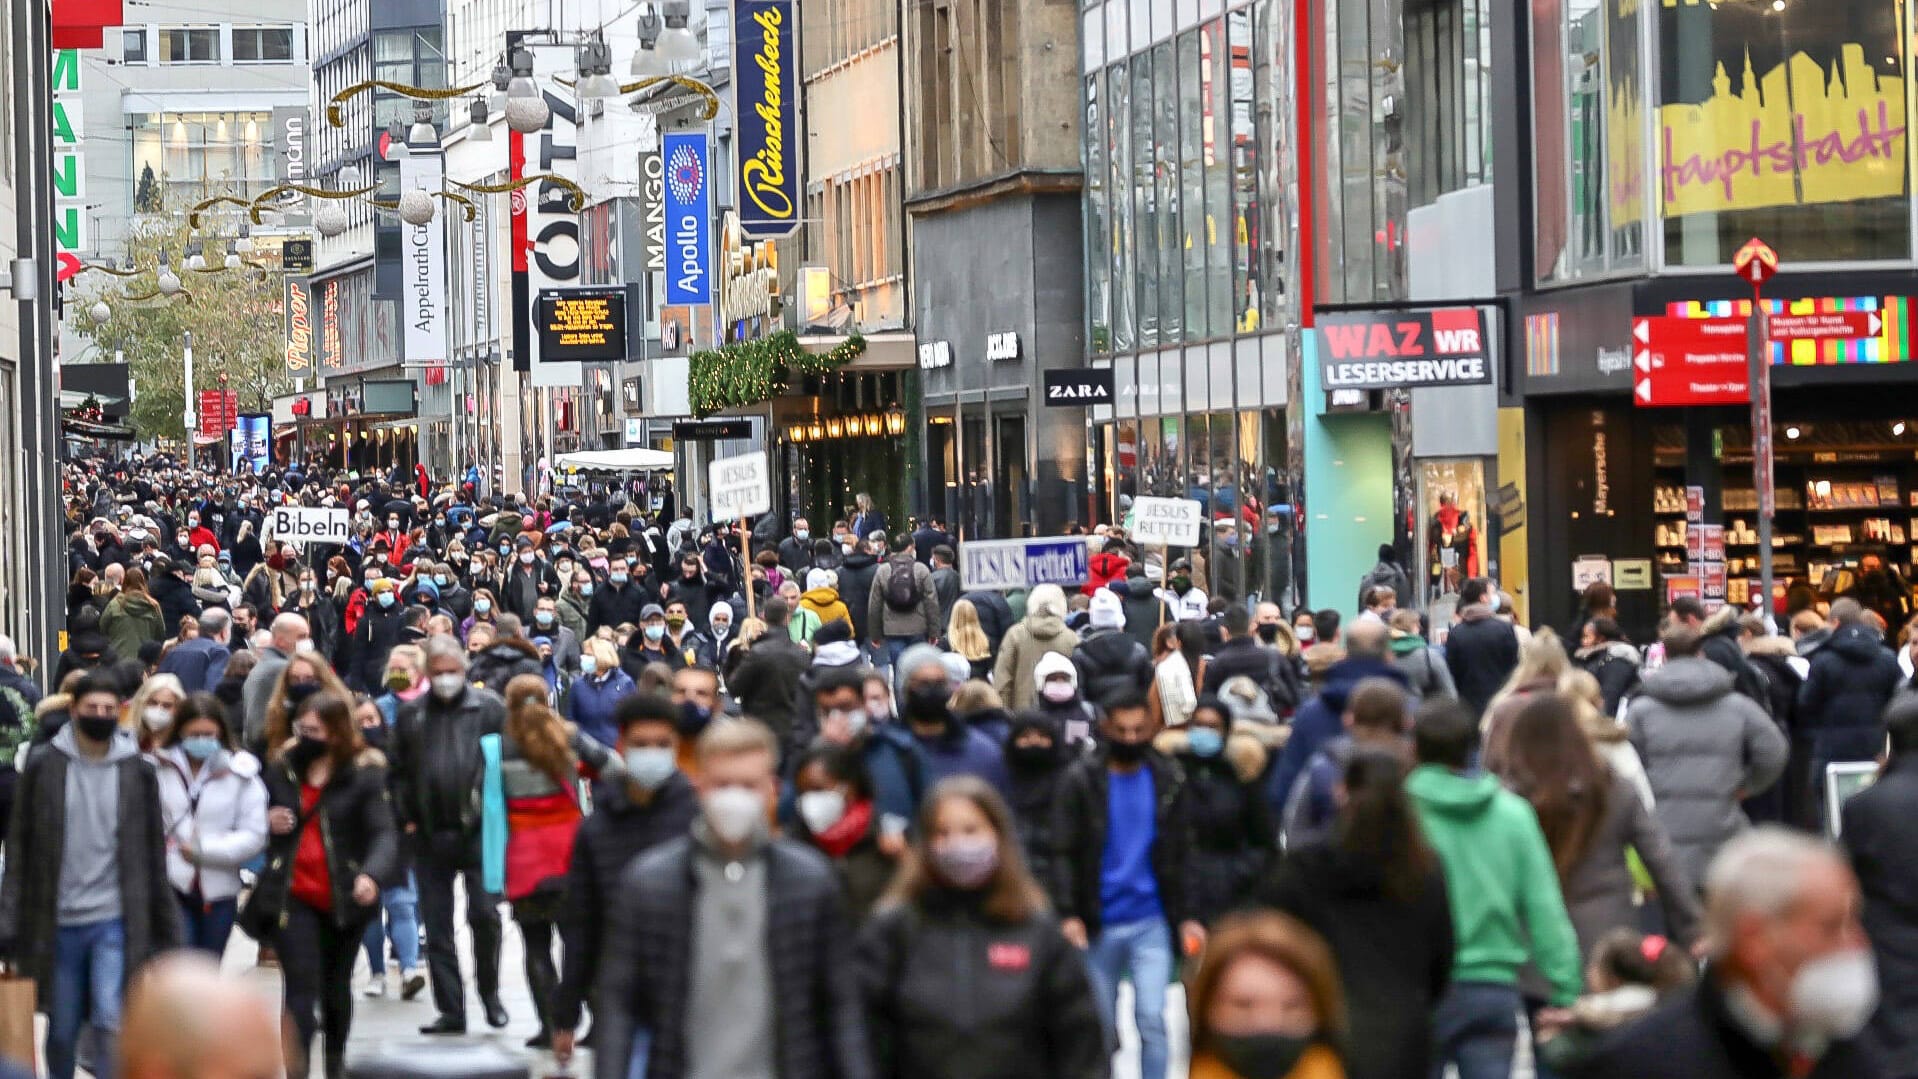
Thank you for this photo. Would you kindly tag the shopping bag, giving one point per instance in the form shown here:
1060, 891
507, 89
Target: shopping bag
17, 1003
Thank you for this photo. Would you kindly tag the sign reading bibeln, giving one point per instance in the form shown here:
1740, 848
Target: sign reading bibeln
309, 524
1168, 522
739, 486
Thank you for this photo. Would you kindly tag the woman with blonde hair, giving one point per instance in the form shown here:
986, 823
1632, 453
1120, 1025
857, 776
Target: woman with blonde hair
540, 760
150, 711
1543, 667
964, 898
306, 673
1266, 1001
967, 638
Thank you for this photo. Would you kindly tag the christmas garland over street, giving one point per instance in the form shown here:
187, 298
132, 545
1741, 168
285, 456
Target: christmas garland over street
748, 373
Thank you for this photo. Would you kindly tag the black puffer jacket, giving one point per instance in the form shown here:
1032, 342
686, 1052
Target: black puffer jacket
617, 831
503, 660
1234, 837
1615, 664
952, 993
356, 820
1110, 663
1035, 787
1079, 838
1244, 656
1884, 853
1843, 699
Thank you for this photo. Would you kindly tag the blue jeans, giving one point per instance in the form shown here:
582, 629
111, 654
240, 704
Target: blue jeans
89, 975
208, 925
642, 1051
1142, 953
896, 646
1476, 1027
400, 906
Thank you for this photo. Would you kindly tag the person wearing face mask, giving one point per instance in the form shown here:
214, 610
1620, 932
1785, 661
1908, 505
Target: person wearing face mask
1266, 1003
86, 886
1036, 758
965, 973
653, 802
1789, 986
683, 644
728, 945
1243, 654
576, 602
888, 752
1881, 844
950, 746
1234, 835
795, 551
594, 698
834, 813
527, 579
375, 635
1059, 697
213, 806
647, 644
333, 845
546, 623
455, 598
1121, 829
312, 603
485, 612
621, 600
437, 770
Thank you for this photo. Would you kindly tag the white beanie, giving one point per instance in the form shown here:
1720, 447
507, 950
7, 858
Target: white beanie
1054, 663
818, 578
1107, 612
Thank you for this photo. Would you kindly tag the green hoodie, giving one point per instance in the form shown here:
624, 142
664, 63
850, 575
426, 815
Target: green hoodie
1503, 886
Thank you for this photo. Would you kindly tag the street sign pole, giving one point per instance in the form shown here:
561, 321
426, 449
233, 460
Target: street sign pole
1756, 262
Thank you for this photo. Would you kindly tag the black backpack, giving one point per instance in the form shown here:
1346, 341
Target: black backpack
902, 592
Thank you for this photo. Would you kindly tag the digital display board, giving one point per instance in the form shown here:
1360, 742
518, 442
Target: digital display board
581, 325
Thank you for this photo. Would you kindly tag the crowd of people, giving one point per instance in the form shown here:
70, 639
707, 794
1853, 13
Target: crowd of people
788, 805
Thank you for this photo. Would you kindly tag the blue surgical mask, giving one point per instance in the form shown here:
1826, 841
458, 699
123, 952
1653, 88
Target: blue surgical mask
655, 631
586, 589
587, 664
481, 606
386, 599
201, 747
618, 578
442, 580
1205, 741
544, 618
650, 766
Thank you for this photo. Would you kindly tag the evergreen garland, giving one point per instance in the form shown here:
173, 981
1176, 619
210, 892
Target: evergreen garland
747, 373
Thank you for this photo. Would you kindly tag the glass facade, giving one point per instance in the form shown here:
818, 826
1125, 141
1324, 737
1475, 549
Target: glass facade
180, 158
1784, 120
1184, 206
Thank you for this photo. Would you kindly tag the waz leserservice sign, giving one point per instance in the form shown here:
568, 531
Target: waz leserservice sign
765, 69
689, 218
1383, 350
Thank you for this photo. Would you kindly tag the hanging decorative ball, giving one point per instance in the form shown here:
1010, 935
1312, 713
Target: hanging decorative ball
167, 282
527, 115
99, 312
416, 207
329, 220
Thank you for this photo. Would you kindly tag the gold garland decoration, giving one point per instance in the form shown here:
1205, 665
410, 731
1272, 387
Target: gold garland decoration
465, 203
86, 267
334, 117
578, 200
157, 294
705, 92
193, 215
259, 204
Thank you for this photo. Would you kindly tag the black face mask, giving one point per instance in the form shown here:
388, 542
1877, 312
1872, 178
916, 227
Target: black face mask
1258, 1056
926, 704
300, 691
1269, 633
305, 752
693, 718
1126, 752
1031, 758
374, 736
97, 728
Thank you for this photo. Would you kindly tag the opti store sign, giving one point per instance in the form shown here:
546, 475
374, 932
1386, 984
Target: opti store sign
1383, 350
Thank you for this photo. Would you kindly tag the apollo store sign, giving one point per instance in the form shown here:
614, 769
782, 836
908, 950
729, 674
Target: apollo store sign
689, 218
765, 73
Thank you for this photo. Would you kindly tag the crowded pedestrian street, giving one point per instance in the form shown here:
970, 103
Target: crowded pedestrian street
968, 539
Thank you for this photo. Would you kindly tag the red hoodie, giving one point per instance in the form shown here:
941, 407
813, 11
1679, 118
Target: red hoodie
1103, 569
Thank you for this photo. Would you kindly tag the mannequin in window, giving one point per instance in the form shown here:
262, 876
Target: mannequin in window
1451, 546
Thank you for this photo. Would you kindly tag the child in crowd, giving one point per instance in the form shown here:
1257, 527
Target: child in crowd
1629, 973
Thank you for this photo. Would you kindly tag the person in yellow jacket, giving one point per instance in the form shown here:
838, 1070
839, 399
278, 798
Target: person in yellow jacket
822, 597
1265, 1002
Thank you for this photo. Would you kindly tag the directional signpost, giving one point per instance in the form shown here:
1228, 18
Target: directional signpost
1756, 262
1689, 361
1826, 326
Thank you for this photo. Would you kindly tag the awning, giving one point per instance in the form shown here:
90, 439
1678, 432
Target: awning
635, 459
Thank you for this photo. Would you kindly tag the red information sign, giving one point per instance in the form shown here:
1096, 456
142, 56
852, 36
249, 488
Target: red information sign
1755, 262
1689, 361
219, 411
1827, 325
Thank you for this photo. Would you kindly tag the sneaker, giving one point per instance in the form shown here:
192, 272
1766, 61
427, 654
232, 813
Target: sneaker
411, 982
375, 987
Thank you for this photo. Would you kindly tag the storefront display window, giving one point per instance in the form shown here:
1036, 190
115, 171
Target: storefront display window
1784, 120
1248, 225
1590, 138
1165, 151
1215, 136
1451, 526
1123, 252
1148, 203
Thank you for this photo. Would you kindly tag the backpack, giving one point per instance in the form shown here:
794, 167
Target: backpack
902, 592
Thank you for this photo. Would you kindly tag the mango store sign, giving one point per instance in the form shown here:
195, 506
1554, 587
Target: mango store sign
70, 231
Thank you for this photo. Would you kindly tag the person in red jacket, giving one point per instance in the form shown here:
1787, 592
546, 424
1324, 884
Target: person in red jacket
1105, 567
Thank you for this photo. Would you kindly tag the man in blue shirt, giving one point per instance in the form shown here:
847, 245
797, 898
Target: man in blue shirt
1120, 831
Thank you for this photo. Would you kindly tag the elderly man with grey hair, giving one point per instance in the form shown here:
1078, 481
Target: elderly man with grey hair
290, 634
200, 662
1790, 984
436, 768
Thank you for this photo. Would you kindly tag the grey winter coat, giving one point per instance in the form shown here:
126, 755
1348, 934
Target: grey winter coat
1705, 748
922, 622
1598, 890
